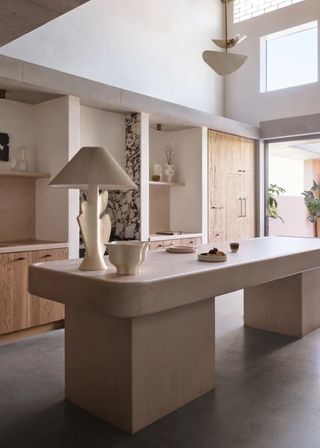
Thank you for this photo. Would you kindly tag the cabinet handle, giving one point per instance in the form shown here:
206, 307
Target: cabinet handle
240, 216
217, 208
45, 256
245, 207
20, 259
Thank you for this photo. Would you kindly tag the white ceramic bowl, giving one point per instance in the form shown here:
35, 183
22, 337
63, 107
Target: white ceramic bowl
127, 256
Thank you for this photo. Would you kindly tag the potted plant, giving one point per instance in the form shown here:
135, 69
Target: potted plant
272, 203
312, 201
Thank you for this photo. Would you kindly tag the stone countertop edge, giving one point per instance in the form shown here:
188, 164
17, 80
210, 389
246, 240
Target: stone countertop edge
28, 247
135, 299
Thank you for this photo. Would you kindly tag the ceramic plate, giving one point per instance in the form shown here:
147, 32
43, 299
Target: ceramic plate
212, 258
181, 249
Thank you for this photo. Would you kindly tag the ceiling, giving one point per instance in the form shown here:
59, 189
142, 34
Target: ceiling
297, 149
19, 17
14, 92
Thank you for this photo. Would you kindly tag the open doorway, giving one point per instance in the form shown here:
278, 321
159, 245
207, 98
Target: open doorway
293, 188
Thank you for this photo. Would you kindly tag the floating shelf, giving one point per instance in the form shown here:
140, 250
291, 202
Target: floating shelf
167, 184
24, 174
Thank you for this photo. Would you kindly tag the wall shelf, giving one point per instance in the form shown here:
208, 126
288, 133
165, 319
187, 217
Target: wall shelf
24, 174
167, 184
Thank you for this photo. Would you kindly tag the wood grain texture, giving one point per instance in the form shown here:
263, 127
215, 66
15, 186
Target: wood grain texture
13, 291
231, 169
131, 372
42, 311
28, 332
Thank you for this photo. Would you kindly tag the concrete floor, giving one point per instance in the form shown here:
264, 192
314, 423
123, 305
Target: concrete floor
267, 396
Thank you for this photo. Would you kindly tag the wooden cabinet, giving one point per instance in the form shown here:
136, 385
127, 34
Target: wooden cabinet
42, 311
13, 291
160, 245
18, 309
231, 173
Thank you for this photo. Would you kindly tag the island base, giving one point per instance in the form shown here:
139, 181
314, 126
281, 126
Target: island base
289, 306
131, 372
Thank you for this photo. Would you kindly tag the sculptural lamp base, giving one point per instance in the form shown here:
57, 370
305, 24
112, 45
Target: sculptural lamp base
95, 229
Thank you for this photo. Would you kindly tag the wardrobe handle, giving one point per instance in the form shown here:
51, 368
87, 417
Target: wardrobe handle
240, 199
245, 207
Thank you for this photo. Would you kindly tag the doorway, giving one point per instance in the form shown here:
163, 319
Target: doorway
293, 188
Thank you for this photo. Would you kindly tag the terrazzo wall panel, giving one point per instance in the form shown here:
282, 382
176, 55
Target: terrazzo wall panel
124, 207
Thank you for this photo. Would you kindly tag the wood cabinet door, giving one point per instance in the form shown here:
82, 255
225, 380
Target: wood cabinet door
247, 150
42, 311
13, 291
234, 208
248, 228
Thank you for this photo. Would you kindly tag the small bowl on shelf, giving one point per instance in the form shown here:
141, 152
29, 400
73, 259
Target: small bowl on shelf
155, 177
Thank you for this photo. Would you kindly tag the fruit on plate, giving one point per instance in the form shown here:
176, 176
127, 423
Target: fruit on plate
214, 251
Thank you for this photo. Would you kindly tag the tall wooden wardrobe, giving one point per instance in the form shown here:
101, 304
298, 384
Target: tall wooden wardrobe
231, 177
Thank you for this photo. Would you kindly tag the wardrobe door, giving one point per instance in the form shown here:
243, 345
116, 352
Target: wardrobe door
248, 207
234, 208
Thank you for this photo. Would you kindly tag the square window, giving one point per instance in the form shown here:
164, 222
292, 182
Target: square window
289, 58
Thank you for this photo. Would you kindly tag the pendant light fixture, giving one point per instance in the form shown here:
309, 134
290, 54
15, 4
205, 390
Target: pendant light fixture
225, 63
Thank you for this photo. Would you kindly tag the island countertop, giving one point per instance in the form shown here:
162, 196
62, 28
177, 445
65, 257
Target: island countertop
170, 280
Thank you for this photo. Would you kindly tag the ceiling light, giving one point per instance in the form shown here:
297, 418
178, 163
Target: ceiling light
225, 63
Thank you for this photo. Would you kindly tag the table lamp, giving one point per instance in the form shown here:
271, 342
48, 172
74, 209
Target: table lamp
91, 169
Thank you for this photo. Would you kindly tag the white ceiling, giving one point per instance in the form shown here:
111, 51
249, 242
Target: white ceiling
18, 17
297, 149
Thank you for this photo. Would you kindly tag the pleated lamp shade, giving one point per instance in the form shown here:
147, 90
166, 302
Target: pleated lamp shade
93, 166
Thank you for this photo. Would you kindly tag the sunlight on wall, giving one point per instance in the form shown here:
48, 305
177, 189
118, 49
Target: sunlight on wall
287, 173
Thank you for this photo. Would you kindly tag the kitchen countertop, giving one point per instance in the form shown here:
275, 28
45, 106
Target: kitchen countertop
26, 246
157, 237
171, 280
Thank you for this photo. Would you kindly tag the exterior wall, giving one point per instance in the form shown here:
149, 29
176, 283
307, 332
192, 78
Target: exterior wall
143, 46
243, 100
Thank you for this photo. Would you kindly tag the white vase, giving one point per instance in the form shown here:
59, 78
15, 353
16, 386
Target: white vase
169, 173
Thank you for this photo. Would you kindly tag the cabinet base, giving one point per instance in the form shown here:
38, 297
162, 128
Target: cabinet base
27, 332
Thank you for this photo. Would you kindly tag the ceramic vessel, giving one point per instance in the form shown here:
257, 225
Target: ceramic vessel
127, 256
169, 173
157, 171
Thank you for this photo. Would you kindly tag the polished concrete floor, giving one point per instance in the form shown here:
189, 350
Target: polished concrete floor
267, 396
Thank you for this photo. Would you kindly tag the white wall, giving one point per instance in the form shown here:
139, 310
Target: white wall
102, 128
243, 100
146, 46
17, 120
57, 140
186, 201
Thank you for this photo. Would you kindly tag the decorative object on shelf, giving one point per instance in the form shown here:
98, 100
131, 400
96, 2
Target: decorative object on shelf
312, 202
89, 169
13, 164
159, 127
23, 164
155, 177
169, 169
157, 171
127, 256
225, 63
181, 249
4, 147
234, 247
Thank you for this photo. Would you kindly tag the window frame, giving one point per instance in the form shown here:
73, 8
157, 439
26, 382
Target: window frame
264, 53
